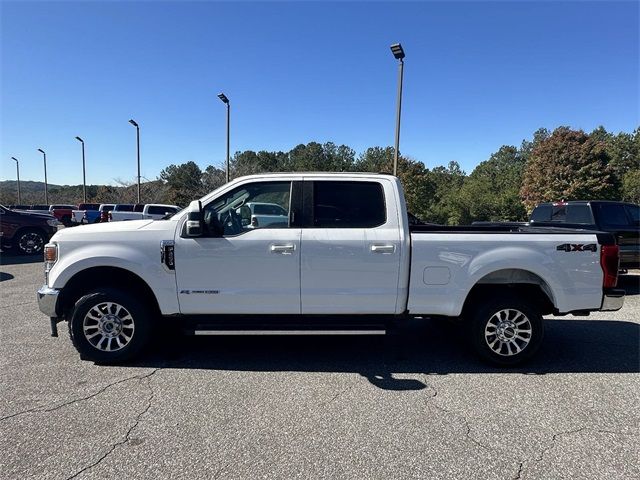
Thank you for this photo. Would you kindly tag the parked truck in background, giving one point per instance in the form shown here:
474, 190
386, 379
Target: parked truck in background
153, 211
621, 219
63, 213
78, 214
26, 233
346, 261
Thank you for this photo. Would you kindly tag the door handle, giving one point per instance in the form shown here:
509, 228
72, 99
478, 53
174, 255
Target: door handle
383, 249
284, 249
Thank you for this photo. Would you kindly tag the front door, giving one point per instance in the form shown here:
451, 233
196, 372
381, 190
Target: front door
251, 268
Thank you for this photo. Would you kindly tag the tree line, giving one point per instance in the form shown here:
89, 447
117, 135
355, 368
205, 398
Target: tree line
563, 164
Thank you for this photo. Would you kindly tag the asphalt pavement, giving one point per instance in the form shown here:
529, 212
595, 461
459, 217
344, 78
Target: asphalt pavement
318, 407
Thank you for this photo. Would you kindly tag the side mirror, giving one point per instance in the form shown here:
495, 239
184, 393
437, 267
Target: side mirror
193, 226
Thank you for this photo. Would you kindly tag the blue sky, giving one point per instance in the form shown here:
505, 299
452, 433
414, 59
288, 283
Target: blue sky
477, 75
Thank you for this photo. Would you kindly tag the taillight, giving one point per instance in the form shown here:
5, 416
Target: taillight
109, 216
610, 263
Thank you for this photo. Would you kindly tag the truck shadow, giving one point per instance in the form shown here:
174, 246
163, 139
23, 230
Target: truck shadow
430, 348
11, 258
630, 283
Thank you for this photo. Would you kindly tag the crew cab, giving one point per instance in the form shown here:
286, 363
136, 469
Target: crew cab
346, 261
26, 233
622, 219
154, 211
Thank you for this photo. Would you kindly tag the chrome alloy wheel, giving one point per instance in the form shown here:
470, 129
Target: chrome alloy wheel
108, 326
508, 332
31, 242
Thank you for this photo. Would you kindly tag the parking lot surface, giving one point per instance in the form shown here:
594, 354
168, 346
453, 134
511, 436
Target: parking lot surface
309, 407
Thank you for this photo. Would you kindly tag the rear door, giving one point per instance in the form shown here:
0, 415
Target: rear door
350, 248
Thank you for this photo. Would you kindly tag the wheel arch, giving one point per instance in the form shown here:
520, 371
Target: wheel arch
91, 278
512, 281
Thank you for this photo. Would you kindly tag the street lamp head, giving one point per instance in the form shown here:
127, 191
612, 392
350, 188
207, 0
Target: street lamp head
79, 139
133, 122
41, 151
397, 51
224, 98
14, 158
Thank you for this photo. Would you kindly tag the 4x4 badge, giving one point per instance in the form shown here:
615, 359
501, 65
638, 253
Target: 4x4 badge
577, 247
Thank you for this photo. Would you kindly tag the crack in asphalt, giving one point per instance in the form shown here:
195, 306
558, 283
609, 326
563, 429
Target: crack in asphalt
465, 422
519, 473
552, 444
81, 399
127, 435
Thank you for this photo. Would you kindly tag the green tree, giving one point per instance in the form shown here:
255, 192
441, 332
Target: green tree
184, 182
492, 191
631, 186
568, 165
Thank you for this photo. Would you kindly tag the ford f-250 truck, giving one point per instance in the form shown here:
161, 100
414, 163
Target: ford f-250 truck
346, 261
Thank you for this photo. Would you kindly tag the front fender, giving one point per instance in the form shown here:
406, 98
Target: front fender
145, 263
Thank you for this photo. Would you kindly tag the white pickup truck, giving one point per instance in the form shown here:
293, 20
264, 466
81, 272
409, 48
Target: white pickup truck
153, 211
346, 262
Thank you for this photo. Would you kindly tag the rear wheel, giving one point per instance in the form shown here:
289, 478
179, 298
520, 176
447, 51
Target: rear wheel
29, 241
109, 326
506, 331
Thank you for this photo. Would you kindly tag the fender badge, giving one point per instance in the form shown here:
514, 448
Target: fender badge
577, 247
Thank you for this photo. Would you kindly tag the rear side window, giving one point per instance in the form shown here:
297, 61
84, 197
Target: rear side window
542, 213
123, 208
348, 205
579, 214
634, 213
612, 215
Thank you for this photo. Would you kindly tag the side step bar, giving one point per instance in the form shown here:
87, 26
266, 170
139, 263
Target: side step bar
289, 332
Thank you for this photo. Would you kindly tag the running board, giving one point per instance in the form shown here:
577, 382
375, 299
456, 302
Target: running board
289, 332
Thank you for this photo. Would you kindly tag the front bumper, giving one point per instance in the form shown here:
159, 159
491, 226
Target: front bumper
48, 301
612, 300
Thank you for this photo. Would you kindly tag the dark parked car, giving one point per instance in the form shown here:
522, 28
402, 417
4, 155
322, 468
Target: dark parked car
27, 233
620, 218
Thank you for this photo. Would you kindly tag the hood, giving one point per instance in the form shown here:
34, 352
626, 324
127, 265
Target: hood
98, 229
44, 215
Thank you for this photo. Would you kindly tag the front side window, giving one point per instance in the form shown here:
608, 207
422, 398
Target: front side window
236, 211
348, 205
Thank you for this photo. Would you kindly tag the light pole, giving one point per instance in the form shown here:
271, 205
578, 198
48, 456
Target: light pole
46, 193
225, 100
18, 174
398, 53
133, 122
84, 179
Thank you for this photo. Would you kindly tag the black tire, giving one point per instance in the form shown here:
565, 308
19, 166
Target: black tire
512, 317
29, 241
114, 341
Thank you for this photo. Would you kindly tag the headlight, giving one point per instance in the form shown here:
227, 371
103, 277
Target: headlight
50, 259
52, 222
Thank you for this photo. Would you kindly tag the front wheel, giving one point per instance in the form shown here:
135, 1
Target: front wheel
109, 326
30, 241
506, 331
